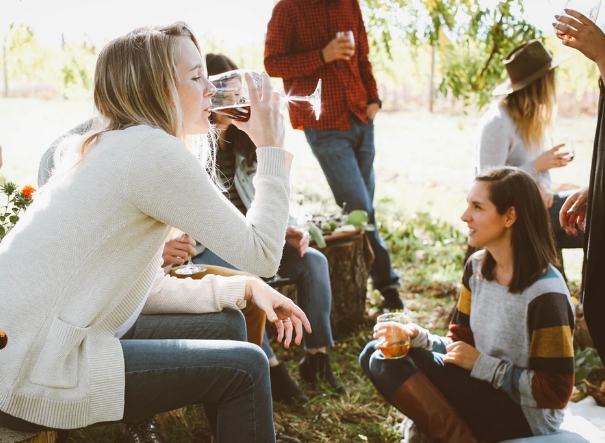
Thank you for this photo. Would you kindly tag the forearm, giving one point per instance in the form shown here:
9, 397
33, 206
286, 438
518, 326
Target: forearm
172, 295
525, 386
184, 197
293, 65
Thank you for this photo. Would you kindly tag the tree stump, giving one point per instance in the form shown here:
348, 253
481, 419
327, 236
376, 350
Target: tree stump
350, 258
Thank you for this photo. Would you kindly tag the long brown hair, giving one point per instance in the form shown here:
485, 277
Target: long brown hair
532, 109
136, 81
239, 140
532, 240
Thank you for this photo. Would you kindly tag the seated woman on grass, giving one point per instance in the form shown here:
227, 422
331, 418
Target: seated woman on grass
79, 268
505, 369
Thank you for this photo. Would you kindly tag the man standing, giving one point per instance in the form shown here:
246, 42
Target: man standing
302, 47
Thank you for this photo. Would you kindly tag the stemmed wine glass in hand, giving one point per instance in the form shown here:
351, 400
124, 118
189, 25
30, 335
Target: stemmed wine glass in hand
232, 97
190, 268
588, 8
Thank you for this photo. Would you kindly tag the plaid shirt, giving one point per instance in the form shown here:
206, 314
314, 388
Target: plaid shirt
296, 34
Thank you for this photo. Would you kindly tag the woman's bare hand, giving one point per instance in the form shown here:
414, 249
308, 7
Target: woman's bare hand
573, 211
552, 159
588, 38
178, 250
280, 311
461, 354
266, 126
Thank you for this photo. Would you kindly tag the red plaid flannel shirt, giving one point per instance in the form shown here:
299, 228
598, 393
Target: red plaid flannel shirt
296, 33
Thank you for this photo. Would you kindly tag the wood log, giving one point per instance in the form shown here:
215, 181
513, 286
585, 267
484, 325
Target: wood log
350, 258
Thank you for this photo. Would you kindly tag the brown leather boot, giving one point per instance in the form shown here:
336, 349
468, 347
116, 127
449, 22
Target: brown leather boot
420, 400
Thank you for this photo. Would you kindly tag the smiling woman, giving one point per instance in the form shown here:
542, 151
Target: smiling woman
505, 369
87, 350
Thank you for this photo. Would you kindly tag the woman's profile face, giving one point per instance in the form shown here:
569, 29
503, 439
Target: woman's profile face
485, 226
193, 88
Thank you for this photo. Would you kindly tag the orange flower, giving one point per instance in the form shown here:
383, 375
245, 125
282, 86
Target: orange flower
28, 191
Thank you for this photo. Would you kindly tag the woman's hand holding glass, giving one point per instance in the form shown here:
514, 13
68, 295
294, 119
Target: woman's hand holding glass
461, 354
573, 212
265, 125
280, 311
552, 159
178, 250
587, 37
393, 335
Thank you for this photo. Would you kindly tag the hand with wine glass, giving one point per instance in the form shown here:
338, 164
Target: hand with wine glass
176, 251
342, 47
584, 34
237, 90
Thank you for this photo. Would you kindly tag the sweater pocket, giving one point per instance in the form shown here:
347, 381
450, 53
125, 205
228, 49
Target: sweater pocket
57, 365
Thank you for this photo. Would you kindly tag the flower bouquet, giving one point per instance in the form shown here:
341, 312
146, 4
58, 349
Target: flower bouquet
16, 201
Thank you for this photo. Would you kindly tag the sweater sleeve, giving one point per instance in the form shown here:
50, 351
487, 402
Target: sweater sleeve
171, 295
548, 383
460, 326
279, 59
168, 183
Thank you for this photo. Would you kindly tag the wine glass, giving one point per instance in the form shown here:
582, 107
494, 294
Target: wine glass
570, 147
190, 268
589, 8
398, 341
232, 98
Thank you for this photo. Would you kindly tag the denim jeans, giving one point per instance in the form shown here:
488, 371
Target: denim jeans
347, 161
313, 293
173, 361
490, 413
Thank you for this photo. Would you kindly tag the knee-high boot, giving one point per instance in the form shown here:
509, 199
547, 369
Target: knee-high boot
420, 400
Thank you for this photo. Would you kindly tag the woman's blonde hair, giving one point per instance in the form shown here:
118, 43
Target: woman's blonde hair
532, 109
136, 81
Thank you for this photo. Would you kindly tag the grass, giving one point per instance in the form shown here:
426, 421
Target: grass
424, 166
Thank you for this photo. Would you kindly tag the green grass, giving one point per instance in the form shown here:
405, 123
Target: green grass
424, 166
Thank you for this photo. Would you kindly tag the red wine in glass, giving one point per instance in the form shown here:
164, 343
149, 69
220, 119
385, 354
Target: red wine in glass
236, 112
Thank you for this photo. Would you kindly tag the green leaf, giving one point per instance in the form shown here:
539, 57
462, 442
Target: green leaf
14, 219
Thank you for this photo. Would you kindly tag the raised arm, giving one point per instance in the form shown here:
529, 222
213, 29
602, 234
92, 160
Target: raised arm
168, 183
588, 38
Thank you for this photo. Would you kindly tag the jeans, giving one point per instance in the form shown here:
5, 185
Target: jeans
562, 240
173, 361
313, 293
490, 413
347, 158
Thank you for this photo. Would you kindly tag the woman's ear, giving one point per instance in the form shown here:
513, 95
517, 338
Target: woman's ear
511, 217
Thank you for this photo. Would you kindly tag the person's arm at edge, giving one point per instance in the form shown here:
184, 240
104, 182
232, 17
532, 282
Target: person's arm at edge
279, 61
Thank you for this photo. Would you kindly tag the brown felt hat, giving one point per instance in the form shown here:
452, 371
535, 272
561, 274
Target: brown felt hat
526, 64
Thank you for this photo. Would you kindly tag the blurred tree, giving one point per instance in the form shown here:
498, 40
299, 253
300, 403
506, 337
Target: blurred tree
471, 37
25, 61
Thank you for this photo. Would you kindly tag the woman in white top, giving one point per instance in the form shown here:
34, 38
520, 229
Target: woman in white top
516, 131
78, 268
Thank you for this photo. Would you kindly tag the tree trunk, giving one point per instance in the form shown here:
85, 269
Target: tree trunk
350, 258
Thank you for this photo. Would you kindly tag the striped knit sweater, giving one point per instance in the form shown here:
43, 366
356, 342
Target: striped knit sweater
525, 341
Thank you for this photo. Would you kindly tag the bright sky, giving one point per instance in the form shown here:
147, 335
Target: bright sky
231, 21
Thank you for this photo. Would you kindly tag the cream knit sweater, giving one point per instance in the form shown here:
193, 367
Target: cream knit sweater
87, 251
